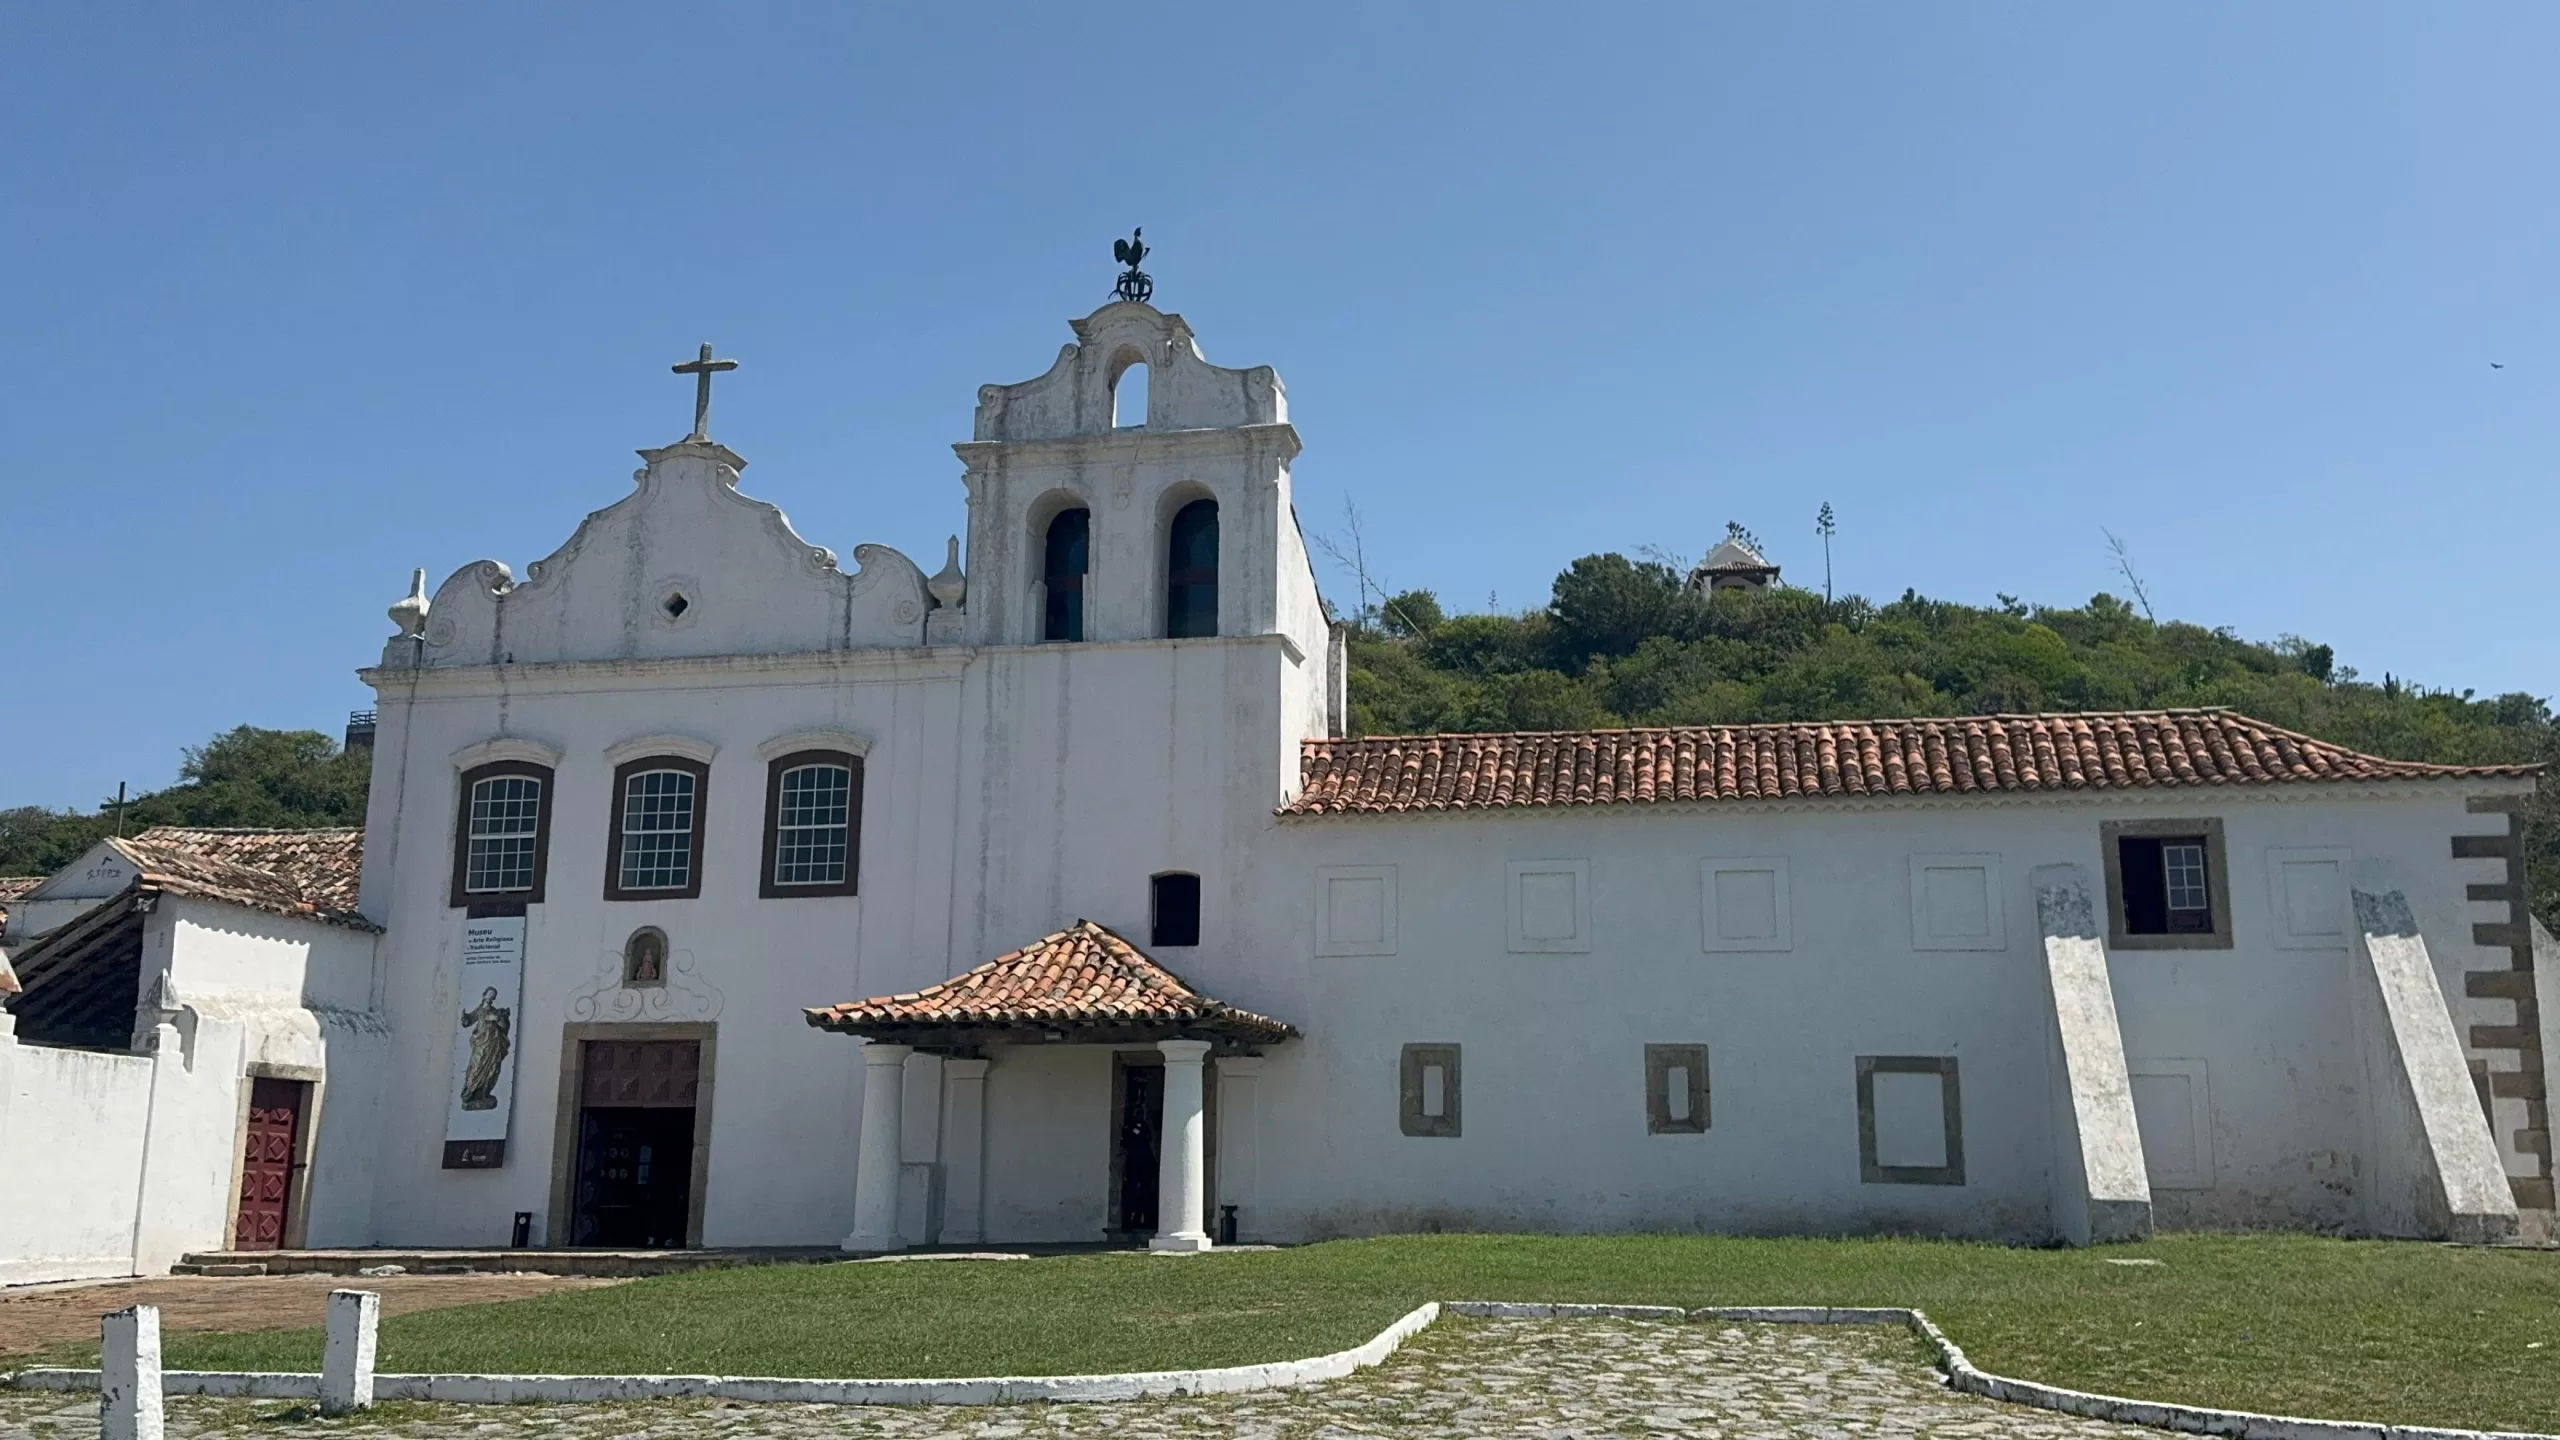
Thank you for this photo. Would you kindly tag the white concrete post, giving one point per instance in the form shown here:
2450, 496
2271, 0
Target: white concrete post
1182, 1179
129, 1382
964, 1151
155, 1245
875, 1176
346, 1367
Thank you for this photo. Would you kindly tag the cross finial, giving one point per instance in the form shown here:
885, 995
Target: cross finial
702, 370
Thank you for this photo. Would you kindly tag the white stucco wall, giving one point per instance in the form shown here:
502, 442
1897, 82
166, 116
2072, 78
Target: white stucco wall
128, 1161
71, 1130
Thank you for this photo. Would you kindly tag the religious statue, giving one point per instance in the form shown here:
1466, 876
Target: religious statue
488, 1023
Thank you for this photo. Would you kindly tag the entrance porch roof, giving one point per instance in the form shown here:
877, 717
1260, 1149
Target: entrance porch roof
1083, 985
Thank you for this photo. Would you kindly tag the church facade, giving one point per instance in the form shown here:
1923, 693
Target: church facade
720, 821
727, 895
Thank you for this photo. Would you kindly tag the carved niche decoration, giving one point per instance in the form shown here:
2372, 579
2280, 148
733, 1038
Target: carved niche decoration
681, 992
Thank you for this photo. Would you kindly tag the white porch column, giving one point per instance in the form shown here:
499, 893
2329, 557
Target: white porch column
1182, 1182
875, 1175
964, 1151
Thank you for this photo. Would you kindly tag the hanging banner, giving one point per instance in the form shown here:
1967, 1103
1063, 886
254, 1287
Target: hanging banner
484, 1043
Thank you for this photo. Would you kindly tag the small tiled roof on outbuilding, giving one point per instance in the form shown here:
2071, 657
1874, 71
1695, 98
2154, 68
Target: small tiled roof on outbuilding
1983, 754
79, 981
310, 874
1083, 985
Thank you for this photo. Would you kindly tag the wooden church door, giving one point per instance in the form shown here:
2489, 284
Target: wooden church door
267, 1163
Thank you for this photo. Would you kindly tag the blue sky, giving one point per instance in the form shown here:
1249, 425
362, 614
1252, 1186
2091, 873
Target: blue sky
301, 297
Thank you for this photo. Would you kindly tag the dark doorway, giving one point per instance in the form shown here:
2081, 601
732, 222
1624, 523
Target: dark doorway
1138, 1149
267, 1163
635, 1170
633, 1187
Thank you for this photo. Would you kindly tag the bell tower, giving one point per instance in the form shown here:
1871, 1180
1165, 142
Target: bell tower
1092, 519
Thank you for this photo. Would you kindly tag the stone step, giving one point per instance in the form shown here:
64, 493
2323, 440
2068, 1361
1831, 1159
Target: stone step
230, 1269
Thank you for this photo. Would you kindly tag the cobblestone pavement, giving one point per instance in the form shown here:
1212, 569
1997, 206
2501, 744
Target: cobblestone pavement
1555, 1379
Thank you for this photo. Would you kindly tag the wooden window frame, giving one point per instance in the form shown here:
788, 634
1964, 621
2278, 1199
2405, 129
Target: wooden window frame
462, 898
2217, 874
623, 774
774, 771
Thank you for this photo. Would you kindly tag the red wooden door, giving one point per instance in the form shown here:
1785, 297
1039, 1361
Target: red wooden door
266, 1165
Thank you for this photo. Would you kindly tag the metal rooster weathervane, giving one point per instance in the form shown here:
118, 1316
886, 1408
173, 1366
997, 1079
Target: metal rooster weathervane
1134, 283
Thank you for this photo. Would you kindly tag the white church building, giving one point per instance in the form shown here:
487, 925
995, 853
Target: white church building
729, 896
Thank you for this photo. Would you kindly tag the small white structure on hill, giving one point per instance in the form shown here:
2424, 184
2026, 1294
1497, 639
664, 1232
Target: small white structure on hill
1734, 564
730, 897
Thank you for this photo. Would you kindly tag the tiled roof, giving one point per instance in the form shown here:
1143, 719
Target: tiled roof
1081, 978
307, 873
81, 981
1984, 754
12, 888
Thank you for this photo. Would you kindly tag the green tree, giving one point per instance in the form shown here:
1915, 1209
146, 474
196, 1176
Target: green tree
243, 777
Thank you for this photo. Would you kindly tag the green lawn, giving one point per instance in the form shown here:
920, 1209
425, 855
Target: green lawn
2411, 1333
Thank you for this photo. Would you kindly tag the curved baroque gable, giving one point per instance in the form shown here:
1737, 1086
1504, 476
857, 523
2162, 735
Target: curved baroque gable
1184, 391
684, 565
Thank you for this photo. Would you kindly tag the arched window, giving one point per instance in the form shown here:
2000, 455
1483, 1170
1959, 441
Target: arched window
1191, 571
1129, 398
1062, 571
813, 825
502, 834
1177, 907
653, 846
644, 958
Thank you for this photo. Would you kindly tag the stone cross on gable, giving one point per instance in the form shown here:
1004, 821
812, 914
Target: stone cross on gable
702, 370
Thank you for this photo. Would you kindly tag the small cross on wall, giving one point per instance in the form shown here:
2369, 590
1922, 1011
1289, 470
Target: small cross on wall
702, 370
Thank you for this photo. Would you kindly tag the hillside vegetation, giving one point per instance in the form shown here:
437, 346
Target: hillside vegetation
1627, 642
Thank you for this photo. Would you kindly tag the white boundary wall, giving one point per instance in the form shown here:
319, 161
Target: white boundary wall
71, 1143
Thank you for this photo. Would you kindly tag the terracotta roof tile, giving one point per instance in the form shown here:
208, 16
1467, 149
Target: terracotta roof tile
1082, 977
311, 874
2002, 754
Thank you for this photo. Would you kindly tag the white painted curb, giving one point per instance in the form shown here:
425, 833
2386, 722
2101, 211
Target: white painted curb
1961, 1376
1964, 1377
990, 1390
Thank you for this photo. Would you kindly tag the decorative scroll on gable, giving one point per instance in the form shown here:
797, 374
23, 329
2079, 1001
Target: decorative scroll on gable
1184, 391
685, 565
